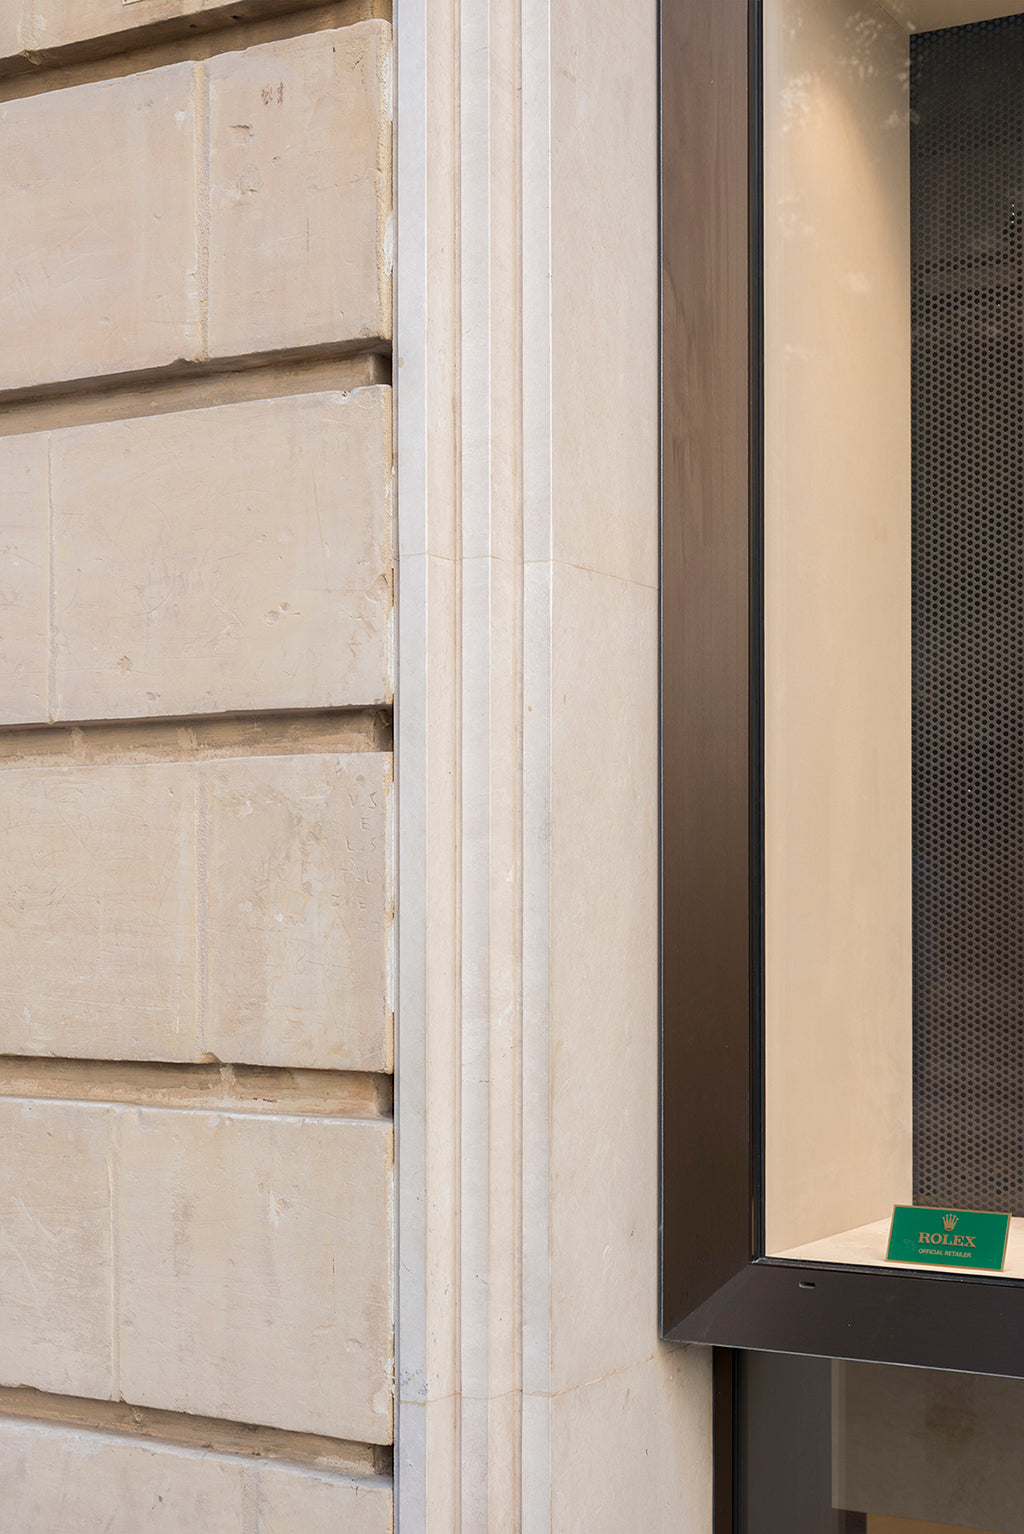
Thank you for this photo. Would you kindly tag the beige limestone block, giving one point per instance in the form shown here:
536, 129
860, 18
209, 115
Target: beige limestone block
24, 563
55, 1248
97, 228
299, 911
254, 1269
10, 28
300, 192
604, 188
59, 23
604, 976
65, 1481
293, 1501
227, 559
631, 1450
97, 911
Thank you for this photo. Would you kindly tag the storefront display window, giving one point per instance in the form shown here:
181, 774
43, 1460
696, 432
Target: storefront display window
894, 623
843, 194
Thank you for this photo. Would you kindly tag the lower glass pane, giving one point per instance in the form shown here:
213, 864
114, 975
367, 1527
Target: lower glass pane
916, 1450
831, 1447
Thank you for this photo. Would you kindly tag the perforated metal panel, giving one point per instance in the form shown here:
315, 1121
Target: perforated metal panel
967, 221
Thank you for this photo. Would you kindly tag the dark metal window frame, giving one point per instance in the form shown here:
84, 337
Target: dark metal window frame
717, 1285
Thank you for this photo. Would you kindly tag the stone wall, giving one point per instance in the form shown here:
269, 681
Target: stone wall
195, 766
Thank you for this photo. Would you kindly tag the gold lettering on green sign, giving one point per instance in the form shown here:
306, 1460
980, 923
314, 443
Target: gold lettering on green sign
969, 1237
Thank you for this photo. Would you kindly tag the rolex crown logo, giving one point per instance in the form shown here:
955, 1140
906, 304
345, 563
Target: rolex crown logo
949, 1221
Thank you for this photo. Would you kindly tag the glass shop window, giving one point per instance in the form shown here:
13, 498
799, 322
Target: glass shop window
832, 1447
917, 1451
894, 620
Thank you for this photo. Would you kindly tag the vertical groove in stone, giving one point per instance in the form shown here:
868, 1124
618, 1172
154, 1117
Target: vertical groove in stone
51, 657
202, 838
202, 232
114, 1175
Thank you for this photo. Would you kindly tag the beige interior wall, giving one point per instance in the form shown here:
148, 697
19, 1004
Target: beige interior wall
837, 598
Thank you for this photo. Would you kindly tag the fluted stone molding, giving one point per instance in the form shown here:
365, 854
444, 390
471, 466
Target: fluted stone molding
534, 1394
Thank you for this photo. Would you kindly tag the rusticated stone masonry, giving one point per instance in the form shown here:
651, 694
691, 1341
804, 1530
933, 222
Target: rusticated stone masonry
196, 683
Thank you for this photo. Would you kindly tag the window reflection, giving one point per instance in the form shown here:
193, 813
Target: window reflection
918, 1450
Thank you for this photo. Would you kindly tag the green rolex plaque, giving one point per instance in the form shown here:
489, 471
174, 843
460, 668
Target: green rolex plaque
948, 1238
